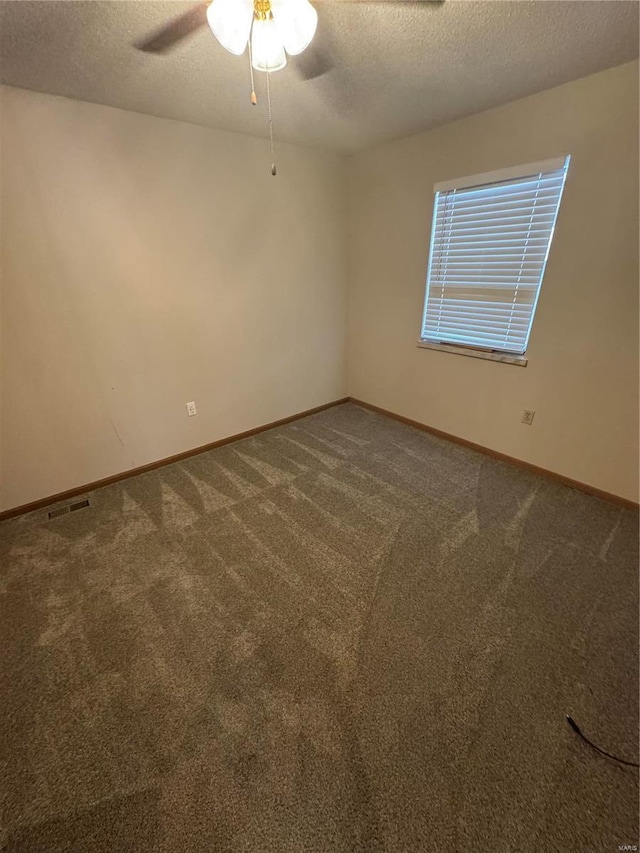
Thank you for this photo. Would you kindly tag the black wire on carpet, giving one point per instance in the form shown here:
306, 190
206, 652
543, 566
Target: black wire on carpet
576, 729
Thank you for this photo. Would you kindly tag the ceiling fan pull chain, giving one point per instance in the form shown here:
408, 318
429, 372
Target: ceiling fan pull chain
273, 160
254, 99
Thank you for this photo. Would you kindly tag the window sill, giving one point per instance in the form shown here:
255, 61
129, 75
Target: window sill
505, 358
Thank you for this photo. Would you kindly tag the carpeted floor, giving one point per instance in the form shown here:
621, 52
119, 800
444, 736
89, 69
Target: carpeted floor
340, 635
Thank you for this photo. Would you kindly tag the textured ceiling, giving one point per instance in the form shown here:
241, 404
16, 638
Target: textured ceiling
400, 67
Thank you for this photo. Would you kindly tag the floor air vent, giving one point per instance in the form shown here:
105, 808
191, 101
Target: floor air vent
79, 505
55, 513
64, 510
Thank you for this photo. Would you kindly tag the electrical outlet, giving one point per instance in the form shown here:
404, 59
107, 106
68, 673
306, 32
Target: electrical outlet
191, 409
527, 416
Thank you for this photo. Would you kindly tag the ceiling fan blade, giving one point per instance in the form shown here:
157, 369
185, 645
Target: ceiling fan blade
178, 29
314, 62
319, 57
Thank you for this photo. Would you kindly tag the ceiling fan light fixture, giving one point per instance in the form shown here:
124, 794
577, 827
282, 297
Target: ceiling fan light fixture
230, 22
297, 21
267, 50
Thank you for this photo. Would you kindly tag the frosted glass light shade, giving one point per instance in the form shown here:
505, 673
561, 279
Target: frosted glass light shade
230, 22
267, 50
297, 21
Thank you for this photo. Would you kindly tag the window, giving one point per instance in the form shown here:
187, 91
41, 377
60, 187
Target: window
490, 241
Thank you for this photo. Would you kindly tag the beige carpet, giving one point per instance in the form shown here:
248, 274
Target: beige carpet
340, 635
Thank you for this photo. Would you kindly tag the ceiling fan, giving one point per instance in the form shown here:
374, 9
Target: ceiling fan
272, 29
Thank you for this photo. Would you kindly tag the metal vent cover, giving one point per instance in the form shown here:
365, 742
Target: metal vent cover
55, 513
79, 505
65, 510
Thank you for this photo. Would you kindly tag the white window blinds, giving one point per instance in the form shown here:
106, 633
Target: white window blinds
489, 245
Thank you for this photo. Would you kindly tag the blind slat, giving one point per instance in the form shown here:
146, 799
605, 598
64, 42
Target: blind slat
491, 329
519, 311
486, 263
488, 242
460, 306
482, 320
516, 214
491, 229
523, 202
500, 189
482, 281
480, 183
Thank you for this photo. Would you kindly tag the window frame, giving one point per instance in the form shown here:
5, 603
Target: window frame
513, 173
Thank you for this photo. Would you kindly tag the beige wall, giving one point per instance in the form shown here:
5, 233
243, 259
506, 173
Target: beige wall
582, 377
146, 263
